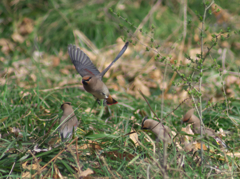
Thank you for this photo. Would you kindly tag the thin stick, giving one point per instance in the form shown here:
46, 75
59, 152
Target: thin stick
200, 81
149, 105
11, 169
53, 159
160, 122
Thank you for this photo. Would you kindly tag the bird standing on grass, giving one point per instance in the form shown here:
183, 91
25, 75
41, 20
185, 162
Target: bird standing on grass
162, 132
92, 78
190, 118
68, 121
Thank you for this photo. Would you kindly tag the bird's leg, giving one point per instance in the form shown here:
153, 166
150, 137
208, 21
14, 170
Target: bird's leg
102, 109
105, 102
98, 101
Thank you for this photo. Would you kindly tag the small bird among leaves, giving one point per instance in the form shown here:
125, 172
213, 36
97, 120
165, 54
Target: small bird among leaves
162, 132
190, 118
68, 121
91, 77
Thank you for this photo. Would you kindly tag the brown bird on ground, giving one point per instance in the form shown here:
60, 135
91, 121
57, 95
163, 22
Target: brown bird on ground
68, 121
190, 118
92, 78
162, 132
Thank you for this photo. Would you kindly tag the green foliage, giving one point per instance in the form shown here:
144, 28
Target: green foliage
34, 108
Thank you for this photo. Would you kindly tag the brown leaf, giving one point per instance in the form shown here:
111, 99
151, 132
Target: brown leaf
138, 85
91, 145
33, 76
192, 53
47, 111
89, 109
121, 80
26, 26
7, 45
134, 138
3, 119
56, 61
26, 175
230, 79
86, 172
29, 167
57, 172
64, 71
17, 37
156, 74
115, 154
198, 146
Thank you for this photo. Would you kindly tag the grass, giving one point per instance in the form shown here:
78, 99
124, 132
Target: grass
36, 77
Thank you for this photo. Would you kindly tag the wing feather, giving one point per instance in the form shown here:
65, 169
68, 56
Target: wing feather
118, 56
81, 61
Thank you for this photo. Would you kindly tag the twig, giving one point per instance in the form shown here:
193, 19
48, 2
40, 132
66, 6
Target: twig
76, 159
11, 169
163, 93
152, 10
36, 160
165, 145
105, 163
179, 171
176, 108
53, 159
77, 151
160, 122
148, 174
200, 81
149, 105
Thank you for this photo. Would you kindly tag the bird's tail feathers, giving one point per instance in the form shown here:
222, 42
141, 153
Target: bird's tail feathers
65, 137
111, 101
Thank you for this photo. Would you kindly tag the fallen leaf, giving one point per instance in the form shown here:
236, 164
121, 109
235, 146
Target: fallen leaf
56, 61
29, 167
57, 172
7, 45
47, 111
64, 71
89, 109
33, 76
26, 26
134, 138
17, 37
121, 80
86, 172
138, 85
26, 175
198, 146
122, 156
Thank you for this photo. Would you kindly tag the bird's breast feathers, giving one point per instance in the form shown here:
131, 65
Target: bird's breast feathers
99, 90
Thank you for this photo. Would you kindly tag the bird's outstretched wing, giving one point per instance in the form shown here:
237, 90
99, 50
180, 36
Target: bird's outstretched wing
81, 61
118, 56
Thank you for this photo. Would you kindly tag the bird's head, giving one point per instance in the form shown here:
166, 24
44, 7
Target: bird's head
65, 105
86, 80
145, 123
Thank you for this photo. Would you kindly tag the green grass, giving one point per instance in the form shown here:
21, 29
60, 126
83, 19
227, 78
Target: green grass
29, 103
